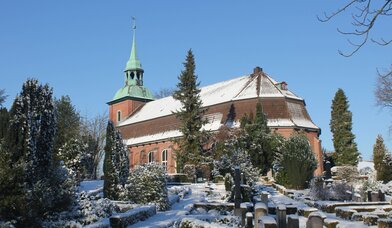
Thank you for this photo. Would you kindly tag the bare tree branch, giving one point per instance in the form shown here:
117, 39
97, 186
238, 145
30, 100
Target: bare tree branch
363, 21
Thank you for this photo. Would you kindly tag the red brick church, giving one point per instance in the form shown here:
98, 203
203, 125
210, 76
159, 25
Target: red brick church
148, 126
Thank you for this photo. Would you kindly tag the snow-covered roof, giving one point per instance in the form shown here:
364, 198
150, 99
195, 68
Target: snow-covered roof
241, 88
214, 123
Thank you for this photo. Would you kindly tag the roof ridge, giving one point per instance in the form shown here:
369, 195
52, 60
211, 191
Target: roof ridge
245, 86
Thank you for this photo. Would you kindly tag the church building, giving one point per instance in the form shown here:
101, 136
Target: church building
149, 126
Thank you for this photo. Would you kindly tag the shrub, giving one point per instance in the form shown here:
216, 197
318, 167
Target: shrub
297, 161
147, 184
318, 190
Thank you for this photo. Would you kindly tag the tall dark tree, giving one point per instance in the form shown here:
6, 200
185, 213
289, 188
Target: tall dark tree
191, 116
4, 122
255, 139
28, 153
116, 163
380, 165
341, 128
2, 97
68, 122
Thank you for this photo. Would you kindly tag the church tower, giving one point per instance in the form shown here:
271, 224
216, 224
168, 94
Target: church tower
133, 95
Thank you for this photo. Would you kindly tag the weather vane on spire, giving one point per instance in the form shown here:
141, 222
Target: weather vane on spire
134, 22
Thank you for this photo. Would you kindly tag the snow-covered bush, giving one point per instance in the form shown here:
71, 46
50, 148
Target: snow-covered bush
147, 184
87, 210
347, 173
318, 190
297, 162
340, 191
366, 171
75, 156
235, 157
91, 210
190, 171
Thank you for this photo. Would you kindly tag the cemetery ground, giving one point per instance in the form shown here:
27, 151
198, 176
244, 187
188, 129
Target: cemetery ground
229, 204
267, 205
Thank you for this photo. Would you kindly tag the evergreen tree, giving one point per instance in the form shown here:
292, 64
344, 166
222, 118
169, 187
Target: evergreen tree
256, 140
116, 163
68, 122
2, 97
297, 163
28, 162
387, 168
191, 116
234, 155
4, 121
380, 152
76, 157
341, 126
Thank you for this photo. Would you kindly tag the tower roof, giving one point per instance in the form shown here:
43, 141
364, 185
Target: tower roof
133, 62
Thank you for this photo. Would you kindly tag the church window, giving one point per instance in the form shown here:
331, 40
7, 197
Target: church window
151, 157
118, 116
132, 75
164, 158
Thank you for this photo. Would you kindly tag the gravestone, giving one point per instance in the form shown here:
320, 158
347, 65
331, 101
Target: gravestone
268, 222
260, 210
374, 196
381, 195
315, 220
281, 216
328, 174
369, 196
292, 221
249, 220
237, 191
264, 197
245, 208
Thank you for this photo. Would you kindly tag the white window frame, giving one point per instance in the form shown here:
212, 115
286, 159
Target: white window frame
151, 157
164, 158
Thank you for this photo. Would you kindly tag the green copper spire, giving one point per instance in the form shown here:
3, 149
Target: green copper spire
133, 88
133, 62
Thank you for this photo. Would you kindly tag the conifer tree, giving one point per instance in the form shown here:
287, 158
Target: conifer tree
2, 97
235, 155
255, 139
297, 161
116, 163
381, 157
191, 116
341, 127
4, 121
35, 184
68, 122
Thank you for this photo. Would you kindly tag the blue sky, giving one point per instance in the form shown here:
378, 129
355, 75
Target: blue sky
81, 47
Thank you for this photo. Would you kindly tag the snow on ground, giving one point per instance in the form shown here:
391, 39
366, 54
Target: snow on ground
178, 210
278, 198
91, 185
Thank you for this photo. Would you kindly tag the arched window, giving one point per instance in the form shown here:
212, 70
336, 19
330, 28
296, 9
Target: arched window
118, 116
151, 156
164, 158
132, 75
